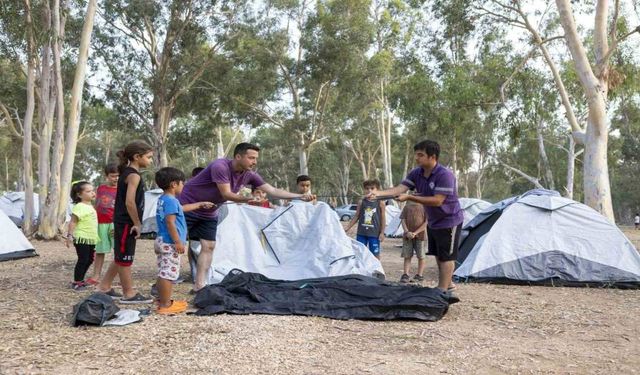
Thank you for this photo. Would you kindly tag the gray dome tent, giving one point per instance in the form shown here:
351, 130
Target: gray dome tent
542, 238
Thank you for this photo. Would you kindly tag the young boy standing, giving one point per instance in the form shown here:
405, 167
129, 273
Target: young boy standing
105, 202
414, 225
172, 236
370, 216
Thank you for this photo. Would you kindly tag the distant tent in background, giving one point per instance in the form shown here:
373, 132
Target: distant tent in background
12, 204
14, 244
394, 224
543, 238
472, 207
149, 224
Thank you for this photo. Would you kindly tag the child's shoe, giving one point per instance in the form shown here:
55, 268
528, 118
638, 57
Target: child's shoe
78, 286
176, 307
404, 279
91, 281
418, 279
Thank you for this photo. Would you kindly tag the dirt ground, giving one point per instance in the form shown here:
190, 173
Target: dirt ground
495, 329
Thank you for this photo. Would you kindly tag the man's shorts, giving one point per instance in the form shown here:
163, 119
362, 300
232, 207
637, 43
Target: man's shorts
105, 232
373, 243
125, 244
201, 229
409, 247
168, 260
443, 243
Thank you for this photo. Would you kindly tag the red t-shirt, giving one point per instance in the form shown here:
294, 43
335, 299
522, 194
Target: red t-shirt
105, 202
264, 204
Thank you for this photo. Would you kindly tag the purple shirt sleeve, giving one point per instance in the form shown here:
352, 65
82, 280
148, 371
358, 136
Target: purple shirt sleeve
445, 184
220, 172
256, 180
410, 180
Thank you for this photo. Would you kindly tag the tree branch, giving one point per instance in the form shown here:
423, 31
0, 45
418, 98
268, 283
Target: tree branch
533, 180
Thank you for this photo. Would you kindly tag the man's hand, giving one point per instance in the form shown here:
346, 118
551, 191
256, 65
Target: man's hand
381, 237
308, 197
371, 196
206, 205
402, 197
135, 229
180, 248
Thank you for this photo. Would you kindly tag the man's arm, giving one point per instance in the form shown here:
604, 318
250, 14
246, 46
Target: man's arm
283, 194
434, 201
392, 192
227, 194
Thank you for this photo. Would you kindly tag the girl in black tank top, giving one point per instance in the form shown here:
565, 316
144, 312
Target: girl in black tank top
120, 213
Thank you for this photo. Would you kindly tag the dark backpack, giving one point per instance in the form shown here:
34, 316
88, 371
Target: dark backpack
94, 310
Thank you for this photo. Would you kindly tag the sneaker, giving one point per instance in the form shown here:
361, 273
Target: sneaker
138, 298
176, 307
91, 281
113, 294
404, 279
78, 286
418, 279
451, 297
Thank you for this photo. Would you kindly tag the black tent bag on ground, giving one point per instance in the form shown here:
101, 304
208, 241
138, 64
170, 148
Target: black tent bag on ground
94, 310
340, 297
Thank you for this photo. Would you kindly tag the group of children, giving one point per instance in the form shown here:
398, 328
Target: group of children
115, 223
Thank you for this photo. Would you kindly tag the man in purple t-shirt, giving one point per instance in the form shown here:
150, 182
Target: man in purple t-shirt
436, 189
221, 181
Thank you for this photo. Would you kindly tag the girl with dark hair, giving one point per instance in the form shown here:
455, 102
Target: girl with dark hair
83, 231
127, 215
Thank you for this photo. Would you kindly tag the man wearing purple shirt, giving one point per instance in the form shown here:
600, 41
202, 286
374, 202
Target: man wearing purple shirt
436, 189
221, 181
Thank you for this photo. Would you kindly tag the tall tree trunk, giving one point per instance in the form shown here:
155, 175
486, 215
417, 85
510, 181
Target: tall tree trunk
162, 112
597, 189
27, 125
219, 144
548, 173
75, 108
50, 223
302, 155
571, 166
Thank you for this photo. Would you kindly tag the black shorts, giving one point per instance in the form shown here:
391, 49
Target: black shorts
201, 229
443, 243
124, 247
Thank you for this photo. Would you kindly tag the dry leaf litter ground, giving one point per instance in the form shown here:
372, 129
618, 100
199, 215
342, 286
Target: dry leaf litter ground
495, 329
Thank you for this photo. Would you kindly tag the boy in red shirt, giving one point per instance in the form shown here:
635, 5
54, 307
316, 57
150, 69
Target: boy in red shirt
105, 199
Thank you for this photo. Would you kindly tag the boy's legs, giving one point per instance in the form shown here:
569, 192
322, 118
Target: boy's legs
407, 254
168, 271
421, 255
105, 232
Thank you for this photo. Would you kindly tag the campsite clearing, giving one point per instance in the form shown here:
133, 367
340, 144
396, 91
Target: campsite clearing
495, 329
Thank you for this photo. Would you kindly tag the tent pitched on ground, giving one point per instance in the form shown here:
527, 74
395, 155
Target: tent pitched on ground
293, 242
472, 206
14, 244
543, 238
12, 204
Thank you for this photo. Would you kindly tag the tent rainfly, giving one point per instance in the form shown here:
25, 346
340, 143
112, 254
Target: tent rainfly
543, 238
